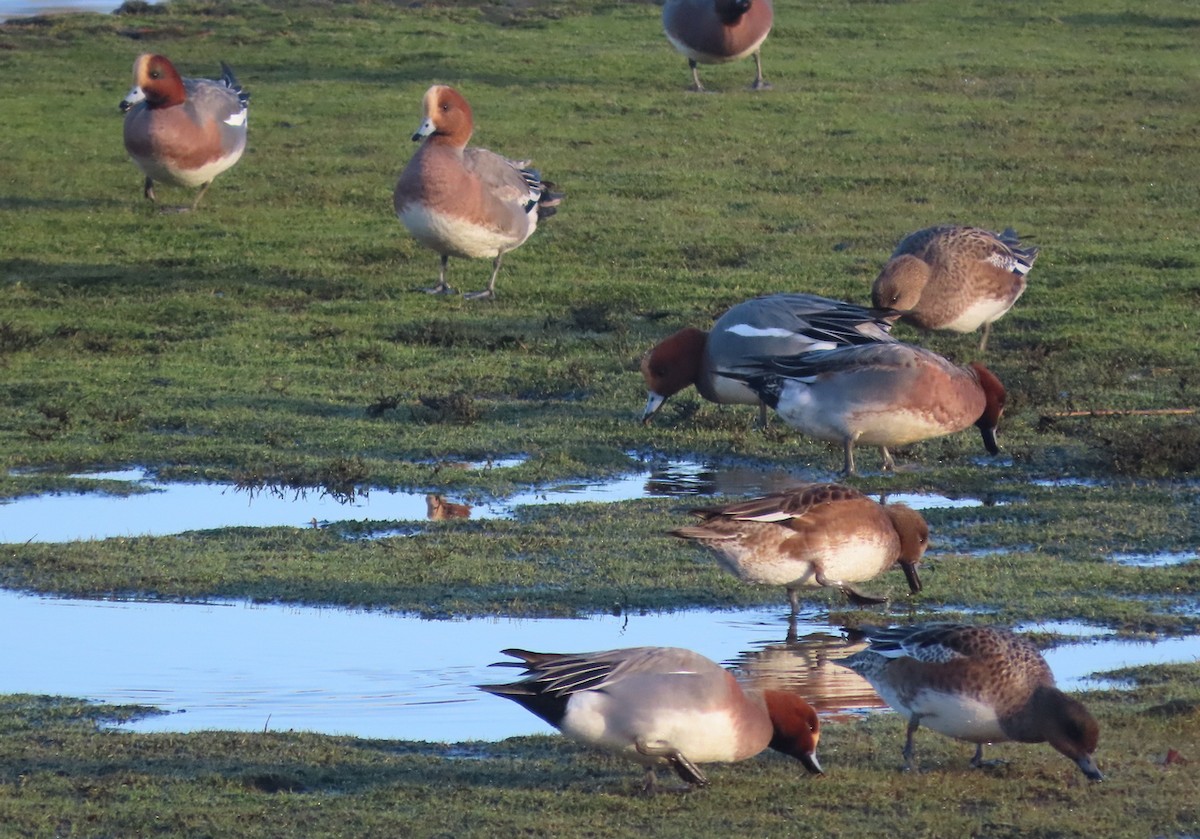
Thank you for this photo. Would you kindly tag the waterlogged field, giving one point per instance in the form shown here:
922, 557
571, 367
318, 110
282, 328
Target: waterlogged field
276, 342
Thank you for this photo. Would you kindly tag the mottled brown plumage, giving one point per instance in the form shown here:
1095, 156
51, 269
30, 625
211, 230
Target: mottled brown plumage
955, 277
813, 536
975, 683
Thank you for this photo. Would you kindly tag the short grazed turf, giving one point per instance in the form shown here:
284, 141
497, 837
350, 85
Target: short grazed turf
276, 337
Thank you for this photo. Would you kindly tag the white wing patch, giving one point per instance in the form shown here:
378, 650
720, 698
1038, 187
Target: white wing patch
1008, 262
746, 330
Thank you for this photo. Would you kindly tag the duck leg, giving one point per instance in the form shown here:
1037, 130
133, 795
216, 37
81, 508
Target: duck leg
914, 723
854, 595
762, 414
759, 82
889, 462
977, 762
987, 327
678, 761
442, 287
848, 468
148, 189
858, 598
199, 195
696, 86
488, 293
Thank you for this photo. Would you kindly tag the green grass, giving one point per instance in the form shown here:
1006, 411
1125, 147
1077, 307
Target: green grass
276, 337
257, 332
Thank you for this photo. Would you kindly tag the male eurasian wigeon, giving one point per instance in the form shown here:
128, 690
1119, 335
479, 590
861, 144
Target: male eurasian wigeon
765, 327
975, 683
716, 31
881, 394
661, 706
813, 536
955, 277
467, 202
183, 131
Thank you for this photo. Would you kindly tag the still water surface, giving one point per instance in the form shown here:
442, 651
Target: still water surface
243, 666
164, 508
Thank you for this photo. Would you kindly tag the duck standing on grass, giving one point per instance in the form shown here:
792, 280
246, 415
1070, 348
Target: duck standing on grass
975, 683
813, 536
661, 706
764, 327
181, 131
879, 394
716, 31
955, 277
467, 202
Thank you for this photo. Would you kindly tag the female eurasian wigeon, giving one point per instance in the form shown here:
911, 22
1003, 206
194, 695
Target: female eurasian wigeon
975, 683
467, 202
954, 277
716, 31
813, 536
183, 131
881, 394
765, 327
437, 508
661, 706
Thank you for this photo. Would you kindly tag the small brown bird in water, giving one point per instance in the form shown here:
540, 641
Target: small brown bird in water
439, 509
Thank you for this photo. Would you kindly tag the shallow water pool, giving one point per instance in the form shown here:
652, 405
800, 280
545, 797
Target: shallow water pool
241, 666
164, 508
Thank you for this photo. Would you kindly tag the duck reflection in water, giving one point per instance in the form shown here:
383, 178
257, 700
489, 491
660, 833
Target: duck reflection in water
806, 666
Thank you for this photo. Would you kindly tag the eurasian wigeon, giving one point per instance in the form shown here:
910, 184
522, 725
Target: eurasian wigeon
661, 706
813, 536
881, 394
437, 508
765, 327
955, 277
467, 202
975, 683
183, 131
716, 31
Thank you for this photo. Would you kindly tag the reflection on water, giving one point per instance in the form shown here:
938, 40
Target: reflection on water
806, 665
159, 508
372, 674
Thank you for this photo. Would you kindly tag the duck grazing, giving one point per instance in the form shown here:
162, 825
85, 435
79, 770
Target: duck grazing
716, 31
880, 394
764, 327
978, 684
467, 202
955, 277
661, 706
181, 131
817, 535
